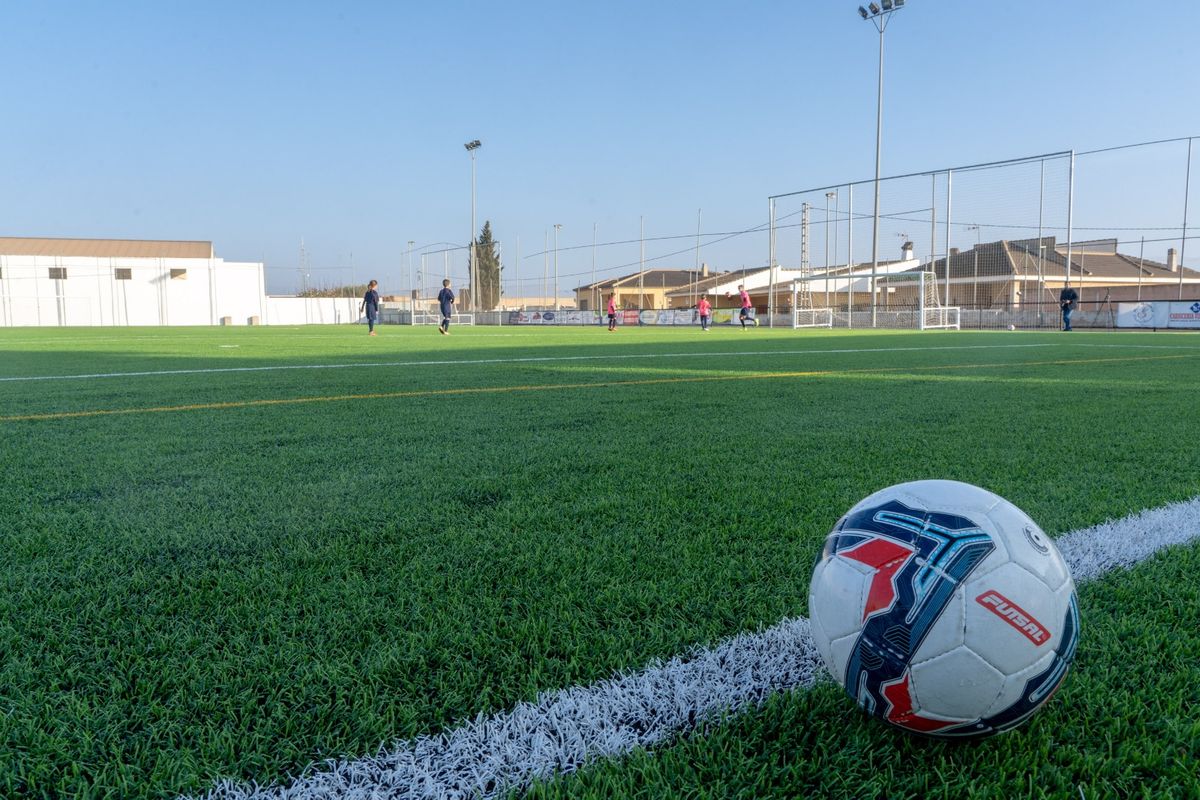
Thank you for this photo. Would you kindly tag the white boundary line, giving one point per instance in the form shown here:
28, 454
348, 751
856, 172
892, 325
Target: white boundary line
561, 731
547, 359
518, 360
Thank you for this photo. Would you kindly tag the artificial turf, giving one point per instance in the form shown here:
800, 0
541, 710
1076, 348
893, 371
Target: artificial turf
243, 572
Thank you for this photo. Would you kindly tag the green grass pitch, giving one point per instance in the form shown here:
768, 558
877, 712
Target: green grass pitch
242, 572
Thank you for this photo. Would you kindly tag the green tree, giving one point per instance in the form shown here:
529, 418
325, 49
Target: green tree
487, 269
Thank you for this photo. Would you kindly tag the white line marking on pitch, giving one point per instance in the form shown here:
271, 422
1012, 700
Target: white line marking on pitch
518, 360
547, 359
560, 731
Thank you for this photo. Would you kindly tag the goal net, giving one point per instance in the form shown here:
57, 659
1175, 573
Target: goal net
810, 317
865, 299
916, 293
435, 318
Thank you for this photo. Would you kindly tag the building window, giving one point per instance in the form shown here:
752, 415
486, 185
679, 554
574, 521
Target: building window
179, 274
58, 273
123, 274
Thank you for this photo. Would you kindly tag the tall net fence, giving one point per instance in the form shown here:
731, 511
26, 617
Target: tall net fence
1003, 239
1131, 221
434, 266
986, 233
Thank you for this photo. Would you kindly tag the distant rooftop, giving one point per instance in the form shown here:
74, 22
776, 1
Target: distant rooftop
650, 278
103, 248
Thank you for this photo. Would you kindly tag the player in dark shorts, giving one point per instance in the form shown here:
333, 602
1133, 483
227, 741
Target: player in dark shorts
370, 304
446, 303
1068, 299
747, 307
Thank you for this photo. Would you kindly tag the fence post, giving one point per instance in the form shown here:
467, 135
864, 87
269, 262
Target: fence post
1187, 183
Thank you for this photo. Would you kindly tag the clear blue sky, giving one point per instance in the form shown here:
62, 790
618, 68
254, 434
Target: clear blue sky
256, 124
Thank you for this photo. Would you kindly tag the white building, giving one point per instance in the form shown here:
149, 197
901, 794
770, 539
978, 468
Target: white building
92, 282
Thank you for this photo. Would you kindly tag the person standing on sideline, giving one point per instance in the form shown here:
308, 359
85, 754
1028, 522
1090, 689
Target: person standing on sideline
746, 307
1068, 299
705, 309
370, 304
446, 302
612, 311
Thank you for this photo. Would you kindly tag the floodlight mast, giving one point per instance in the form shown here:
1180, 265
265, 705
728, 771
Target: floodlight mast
879, 18
557, 228
471, 147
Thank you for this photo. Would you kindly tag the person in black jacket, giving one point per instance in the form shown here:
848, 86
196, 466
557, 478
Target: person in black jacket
446, 306
1068, 299
370, 304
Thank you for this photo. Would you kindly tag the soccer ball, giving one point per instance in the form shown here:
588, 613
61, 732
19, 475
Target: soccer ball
1012, 327
944, 610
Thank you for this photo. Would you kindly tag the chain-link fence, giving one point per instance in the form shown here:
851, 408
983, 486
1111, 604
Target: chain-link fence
989, 233
1004, 239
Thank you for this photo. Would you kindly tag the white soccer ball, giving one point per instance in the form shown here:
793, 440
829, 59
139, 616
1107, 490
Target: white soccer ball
943, 609
1012, 327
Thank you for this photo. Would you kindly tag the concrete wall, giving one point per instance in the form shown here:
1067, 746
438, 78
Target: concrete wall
312, 311
128, 291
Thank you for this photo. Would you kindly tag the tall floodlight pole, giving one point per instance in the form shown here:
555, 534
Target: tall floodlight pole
975, 290
850, 258
595, 305
420, 276
828, 199
1041, 288
472, 146
771, 264
641, 265
879, 18
408, 260
1187, 186
557, 228
696, 271
837, 215
828, 196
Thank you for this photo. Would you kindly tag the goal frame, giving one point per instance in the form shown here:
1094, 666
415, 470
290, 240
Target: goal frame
930, 313
821, 317
427, 318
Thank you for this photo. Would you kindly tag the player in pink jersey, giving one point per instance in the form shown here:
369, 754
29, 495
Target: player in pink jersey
612, 311
705, 309
747, 307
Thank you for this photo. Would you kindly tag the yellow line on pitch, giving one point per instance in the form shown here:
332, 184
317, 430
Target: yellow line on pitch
560, 386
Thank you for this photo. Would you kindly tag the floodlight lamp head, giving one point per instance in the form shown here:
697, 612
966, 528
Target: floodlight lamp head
474, 145
898, 3
887, 5
863, 13
874, 8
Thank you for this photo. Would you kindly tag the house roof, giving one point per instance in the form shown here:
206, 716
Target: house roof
1095, 260
757, 281
1119, 265
702, 285
651, 277
103, 248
